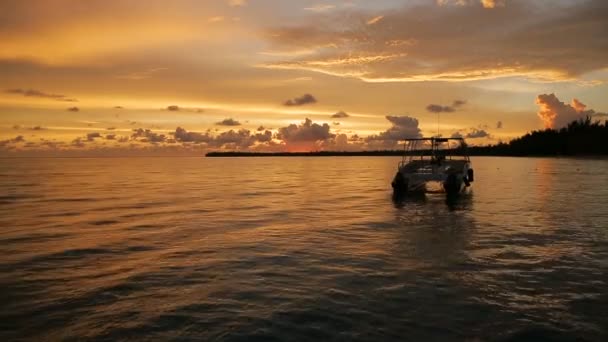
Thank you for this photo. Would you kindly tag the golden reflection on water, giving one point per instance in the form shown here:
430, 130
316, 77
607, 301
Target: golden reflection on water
221, 243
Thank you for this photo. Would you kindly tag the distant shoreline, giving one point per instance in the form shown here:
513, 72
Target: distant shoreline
581, 138
387, 153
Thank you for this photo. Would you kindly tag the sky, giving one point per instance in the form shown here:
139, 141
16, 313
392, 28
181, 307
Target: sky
182, 77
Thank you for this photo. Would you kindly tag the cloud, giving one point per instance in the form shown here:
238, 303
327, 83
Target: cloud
110, 136
484, 3
499, 125
118, 107
92, 136
264, 137
147, 135
375, 20
260, 129
140, 75
300, 101
228, 122
320, 8
191, 137
557, 114
73, 109
17, 139
477, 133
340, 115
78, 143
403, 127
434, 108
41, 94
436, 51
173, 108
305, 132
230, 139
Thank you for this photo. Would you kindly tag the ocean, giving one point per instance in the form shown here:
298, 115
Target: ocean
300, 249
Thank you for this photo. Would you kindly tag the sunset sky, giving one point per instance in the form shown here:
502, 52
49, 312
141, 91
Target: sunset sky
184, 77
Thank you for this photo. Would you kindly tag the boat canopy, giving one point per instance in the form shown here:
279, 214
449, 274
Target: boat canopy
434, 148
439, 140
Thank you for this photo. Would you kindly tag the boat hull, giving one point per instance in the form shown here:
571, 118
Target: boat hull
451, 182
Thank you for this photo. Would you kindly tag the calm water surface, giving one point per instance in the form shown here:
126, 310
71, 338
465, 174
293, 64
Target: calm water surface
299, 249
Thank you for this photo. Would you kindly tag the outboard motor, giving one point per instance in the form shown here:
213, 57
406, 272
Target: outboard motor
400, 185
452, 185
470, 175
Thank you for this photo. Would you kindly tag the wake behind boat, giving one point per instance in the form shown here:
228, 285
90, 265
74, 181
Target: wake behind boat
440, 160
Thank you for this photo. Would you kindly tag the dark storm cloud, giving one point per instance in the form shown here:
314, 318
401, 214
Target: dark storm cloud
426, 42
340, 115
307, 131
228, 122
300, 101
41, 94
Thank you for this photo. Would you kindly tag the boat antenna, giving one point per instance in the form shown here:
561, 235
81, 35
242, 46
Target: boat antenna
438, 114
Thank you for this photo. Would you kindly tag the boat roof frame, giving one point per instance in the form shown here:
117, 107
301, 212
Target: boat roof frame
432, 152
432, 139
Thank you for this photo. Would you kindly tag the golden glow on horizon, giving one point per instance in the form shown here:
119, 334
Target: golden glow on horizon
346, 66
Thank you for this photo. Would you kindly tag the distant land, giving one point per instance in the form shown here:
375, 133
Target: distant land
580, 138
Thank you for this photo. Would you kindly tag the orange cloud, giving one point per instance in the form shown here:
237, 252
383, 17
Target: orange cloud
420, 44
557, 114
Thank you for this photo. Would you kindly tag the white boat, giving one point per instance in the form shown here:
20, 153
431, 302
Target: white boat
440, 160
